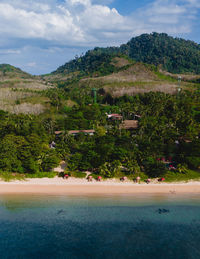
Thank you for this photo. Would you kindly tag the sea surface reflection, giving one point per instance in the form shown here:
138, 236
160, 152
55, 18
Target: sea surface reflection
123, 226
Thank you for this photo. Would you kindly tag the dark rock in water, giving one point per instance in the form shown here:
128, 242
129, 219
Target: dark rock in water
59, 212
161, 211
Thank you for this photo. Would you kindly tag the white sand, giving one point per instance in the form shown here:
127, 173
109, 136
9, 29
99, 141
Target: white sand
82, 186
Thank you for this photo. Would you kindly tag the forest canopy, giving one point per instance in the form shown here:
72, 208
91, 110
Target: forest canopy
175, 55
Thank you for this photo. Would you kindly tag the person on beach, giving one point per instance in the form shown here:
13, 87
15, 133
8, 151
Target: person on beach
162, 179
90, 178
124, 178
138, 179
99, 179
148, 180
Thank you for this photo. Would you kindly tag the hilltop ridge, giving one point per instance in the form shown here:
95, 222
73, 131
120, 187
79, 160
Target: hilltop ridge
9, 71
174, 55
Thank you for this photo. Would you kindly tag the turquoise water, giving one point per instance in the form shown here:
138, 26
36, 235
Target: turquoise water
141, 227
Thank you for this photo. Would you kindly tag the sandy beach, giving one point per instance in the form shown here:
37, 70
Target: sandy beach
76, 186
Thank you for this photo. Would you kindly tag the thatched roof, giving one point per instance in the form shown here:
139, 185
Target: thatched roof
129, 124
81, 131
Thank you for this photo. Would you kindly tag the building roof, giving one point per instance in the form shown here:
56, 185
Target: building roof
129, 124
80, 131
70, 132
115, 116
58, 132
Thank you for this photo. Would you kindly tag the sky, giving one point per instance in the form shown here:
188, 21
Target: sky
38, 36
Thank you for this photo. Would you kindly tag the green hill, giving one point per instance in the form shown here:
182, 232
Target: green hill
92, 63
125, 77
9, 71
21, 92
174, 54
171, 54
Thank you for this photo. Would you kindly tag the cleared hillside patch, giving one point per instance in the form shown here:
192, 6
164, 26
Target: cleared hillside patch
23, 95
120, 62
137, 78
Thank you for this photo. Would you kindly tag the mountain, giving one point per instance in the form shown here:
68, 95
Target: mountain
146, 63
149, 62
174, 55
118, 76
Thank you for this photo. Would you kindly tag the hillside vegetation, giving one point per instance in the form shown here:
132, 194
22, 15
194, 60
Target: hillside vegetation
146, 63
21, 92
150, 62
8, 71
174, 55
123, 76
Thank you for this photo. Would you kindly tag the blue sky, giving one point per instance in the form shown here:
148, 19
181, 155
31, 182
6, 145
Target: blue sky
38, 36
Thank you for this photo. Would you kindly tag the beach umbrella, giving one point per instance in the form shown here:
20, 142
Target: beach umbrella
138, 179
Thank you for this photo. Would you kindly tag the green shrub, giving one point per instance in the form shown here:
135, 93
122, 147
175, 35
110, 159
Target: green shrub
77, 174
175, 176
8, 176
154, 168
110, 170
193, 162
42, 175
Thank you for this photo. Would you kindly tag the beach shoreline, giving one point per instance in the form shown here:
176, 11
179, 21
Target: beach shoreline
74, 186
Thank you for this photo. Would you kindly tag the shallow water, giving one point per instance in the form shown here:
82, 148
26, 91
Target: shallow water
153, 226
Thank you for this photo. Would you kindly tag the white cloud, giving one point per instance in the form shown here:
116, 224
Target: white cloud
10, 51
31, 64
83, 2
53, 24
68, 24
194, 3
174, 17
29, 24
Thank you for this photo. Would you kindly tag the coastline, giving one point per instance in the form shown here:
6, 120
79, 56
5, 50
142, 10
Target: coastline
74, 186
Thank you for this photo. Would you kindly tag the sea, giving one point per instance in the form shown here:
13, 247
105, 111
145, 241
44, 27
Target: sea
100, 227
